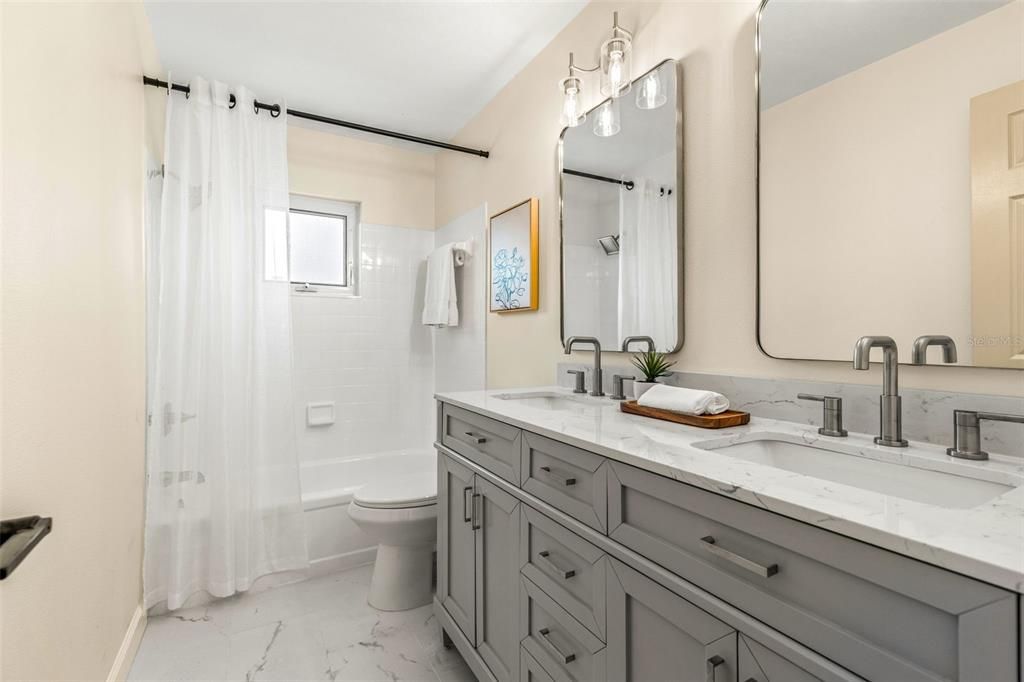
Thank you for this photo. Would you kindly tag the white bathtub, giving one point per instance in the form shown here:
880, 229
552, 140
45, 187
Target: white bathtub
334, 541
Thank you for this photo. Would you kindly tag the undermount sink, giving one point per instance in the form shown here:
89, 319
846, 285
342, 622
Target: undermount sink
905, 481
549, 400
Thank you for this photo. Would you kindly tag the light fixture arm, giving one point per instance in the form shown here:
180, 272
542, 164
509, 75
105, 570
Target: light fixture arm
617, 28
574, 67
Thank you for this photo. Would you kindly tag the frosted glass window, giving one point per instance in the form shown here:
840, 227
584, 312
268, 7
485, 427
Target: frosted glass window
318, 245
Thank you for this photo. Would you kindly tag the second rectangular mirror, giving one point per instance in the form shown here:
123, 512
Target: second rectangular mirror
891, 177
622, 216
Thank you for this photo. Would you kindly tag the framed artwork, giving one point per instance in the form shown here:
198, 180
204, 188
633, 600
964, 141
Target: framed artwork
514, 258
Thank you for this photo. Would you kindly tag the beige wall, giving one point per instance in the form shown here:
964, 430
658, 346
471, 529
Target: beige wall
394, 184
73, 405
894, 137
714, 41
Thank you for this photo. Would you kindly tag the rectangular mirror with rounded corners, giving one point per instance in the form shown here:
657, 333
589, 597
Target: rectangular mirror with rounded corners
891, 177
621, 210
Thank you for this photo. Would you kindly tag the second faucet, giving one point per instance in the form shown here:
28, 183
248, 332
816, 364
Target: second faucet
595, 387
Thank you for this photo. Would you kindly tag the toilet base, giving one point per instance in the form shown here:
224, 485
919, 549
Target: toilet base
402, 577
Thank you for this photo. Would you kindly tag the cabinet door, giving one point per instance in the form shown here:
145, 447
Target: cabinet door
497, 580
456, 574
654, 634
757, 663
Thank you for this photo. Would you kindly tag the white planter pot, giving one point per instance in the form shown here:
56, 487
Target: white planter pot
641, 387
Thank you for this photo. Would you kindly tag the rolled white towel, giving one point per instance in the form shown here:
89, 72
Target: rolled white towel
684, 400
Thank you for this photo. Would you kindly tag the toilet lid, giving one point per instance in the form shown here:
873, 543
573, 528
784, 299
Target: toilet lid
402, 491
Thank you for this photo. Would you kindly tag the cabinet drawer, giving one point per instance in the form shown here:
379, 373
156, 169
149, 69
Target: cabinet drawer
654, 634
565, 566
758, 663
530, 670
490, 443
573, 481
872, 611
563, 647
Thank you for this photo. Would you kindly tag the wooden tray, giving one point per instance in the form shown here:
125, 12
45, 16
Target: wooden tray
704, 421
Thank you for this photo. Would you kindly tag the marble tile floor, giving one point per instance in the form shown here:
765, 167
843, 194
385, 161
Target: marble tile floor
318, 629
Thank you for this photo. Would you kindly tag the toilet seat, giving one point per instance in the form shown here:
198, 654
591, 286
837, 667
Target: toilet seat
405, 491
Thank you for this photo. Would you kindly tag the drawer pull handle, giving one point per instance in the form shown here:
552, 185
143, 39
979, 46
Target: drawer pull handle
477, 525
564, 480
479, 440
742, 562
560, 572
467, 516
563, 658
713, 664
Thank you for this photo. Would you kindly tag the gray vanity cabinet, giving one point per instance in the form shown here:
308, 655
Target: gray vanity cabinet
557, 564
478, 564
654, 634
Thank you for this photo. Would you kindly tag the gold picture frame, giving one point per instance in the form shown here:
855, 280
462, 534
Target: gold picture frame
513, 254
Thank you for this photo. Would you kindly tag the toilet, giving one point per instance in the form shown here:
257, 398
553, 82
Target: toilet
400, 513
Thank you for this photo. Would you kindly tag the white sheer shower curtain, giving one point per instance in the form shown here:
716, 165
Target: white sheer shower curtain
223, 498
648, 251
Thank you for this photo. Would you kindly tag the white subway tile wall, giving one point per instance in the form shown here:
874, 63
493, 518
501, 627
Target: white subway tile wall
369, 354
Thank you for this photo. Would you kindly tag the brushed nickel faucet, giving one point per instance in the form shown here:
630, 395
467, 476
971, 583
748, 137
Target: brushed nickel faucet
967, 432
890, 408
630, 339
919, 355
595, 388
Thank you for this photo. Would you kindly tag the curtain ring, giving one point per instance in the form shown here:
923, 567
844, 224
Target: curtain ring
255, 109
232, 101
276, 111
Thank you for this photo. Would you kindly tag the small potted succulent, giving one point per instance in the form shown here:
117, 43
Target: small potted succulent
652, 365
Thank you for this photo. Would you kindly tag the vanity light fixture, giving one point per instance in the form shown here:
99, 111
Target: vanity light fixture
606, 122
573, 113
650, 94
615, 65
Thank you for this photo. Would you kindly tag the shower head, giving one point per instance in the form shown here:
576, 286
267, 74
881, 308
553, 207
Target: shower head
610, 244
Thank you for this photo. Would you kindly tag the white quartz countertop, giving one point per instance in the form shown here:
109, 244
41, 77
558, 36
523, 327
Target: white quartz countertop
985, 542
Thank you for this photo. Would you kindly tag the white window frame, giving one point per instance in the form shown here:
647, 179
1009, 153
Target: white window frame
329, 207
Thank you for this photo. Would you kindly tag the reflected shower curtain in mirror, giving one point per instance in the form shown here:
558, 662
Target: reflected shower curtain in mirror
648, 249
222, 499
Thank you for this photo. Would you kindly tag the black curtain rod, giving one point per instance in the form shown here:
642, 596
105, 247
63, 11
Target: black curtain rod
275, 110
628, 184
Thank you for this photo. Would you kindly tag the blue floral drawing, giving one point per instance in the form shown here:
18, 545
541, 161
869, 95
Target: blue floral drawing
509, 276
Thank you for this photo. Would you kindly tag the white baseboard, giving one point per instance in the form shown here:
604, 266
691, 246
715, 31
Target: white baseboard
129, 646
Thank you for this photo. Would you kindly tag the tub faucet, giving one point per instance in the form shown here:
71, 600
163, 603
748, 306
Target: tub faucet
890, 407
630, 339
595, 388
919, 356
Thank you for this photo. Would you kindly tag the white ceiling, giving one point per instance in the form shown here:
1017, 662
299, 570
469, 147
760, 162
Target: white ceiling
424, 68
805, 43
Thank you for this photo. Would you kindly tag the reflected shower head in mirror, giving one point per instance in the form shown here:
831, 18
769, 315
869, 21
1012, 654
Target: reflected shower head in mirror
610, 244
